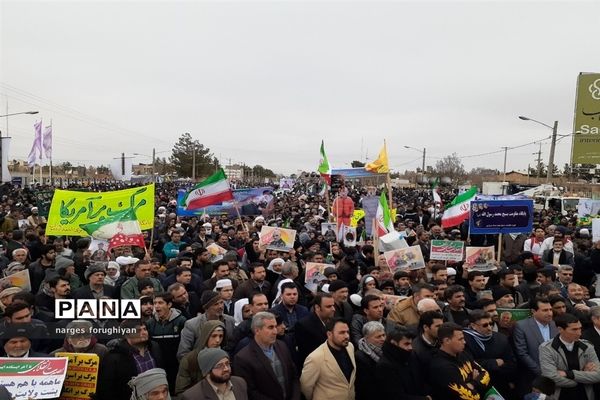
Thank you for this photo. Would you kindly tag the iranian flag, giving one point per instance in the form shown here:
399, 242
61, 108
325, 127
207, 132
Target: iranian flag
383, 219
434, 190
120, 229
324, 168
213, 190
458, 210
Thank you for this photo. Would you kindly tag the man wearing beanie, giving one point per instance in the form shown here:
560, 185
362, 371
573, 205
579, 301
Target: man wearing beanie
213, 310
339, 290
151, 384
96, 288
218, 384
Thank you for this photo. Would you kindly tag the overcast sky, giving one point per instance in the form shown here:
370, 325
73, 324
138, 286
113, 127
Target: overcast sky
264, 82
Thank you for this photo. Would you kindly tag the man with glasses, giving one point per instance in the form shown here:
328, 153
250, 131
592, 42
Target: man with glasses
492, 351
215, 365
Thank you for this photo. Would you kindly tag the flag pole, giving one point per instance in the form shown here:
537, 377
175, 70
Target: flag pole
327, 200
237, 210
50, 170
375, 238
391, 202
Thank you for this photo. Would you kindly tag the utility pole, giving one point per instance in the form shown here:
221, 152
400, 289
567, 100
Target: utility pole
424, 152
552, 147
539, 163
154, 165
122, 164
504, 171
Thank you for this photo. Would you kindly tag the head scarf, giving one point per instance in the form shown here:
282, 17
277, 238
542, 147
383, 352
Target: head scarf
273, 262
238, 314
278, 297
147, 381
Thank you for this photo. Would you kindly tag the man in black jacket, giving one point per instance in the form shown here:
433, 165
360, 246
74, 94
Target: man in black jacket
425, 344
131, 356
492, 351
398, 376
310, 330
453, 374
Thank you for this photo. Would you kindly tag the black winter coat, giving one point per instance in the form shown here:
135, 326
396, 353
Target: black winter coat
118, 367
398, 376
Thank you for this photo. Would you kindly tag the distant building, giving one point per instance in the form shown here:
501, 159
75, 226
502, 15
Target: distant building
234, 172
142, 169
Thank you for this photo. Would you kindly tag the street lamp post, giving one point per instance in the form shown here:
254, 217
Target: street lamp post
7, 137
552, 145
424, 153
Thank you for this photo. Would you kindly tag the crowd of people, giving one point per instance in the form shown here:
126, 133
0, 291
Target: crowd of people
244, 325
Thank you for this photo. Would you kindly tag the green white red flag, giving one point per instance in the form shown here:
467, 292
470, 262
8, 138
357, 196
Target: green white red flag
324, 168
458, 210
120, 229
383, 219
213, 190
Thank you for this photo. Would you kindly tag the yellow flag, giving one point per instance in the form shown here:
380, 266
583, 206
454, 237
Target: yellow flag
381, 165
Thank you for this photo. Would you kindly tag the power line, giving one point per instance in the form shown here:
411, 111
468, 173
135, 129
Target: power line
70, 112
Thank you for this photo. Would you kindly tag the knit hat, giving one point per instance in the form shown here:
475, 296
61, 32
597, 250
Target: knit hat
62, 263
337, 285
209, 357
147, 381
329, 271
499, 292
92, 269
13, 268
16, 330
209, 298
113, 265
221, 283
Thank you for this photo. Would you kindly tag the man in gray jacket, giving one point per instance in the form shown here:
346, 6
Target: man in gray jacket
570, 362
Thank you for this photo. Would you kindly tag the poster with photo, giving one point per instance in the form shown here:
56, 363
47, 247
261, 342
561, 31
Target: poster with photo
313, 275
410, 258
275, 238
480, 258
348, 234
328, 230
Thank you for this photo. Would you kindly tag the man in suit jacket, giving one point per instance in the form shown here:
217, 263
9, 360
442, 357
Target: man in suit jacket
557, 255
528, 335
310, 330
215, 366
266, 364
330, 371
96, 288
592, 334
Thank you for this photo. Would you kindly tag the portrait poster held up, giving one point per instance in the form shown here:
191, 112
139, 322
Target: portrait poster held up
33, 378
275, 238
18, 279
410, 258
314, 274
348, 235
480, 258
329, 231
